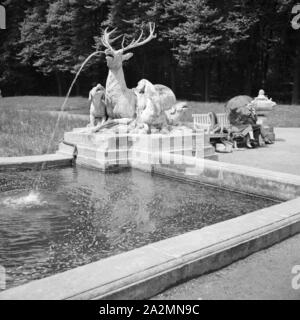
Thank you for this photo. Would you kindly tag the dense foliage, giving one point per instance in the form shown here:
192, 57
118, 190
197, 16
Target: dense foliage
205, 49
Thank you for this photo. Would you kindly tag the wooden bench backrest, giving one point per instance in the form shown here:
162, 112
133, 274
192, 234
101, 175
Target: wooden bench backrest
223, 120
203, 121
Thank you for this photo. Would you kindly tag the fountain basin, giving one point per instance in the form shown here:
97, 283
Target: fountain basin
82, 216
146, 271
133, 234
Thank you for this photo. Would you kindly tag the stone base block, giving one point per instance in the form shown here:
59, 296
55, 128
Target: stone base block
107, 152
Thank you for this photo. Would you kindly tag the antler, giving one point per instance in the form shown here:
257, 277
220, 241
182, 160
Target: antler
106, 41
137, 43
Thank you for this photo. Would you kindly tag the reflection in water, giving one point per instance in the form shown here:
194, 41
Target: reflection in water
82, 216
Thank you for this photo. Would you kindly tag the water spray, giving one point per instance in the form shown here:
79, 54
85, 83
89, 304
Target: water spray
37, 182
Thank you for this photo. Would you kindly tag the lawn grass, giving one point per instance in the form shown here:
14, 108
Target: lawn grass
26, 123
74, 104
26, 133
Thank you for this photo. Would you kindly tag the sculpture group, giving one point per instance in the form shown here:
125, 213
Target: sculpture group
147, 108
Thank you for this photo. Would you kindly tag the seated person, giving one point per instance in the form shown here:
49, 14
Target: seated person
257, 128
240, 128
244, 122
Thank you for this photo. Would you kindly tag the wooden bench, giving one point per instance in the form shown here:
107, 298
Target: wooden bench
203, 122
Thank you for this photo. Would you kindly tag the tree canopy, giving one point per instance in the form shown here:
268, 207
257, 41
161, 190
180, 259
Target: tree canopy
205, 49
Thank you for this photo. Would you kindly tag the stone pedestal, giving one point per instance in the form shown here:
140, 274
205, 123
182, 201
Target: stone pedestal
263, 107
105, 152
262, 120
112, 151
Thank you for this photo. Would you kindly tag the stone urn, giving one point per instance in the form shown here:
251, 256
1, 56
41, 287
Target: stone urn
263, 106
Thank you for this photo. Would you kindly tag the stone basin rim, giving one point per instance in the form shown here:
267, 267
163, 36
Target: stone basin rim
172, 255
269, 226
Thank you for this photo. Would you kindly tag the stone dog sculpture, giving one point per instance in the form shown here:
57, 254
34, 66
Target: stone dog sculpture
98, 113
144, 107
157, 107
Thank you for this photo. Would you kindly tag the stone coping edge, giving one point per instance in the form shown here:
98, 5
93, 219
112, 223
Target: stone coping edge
34, 162
147, 271
243, 179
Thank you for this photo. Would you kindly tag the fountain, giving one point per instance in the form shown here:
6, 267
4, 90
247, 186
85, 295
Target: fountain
81, 227
142, 123
33, 199
62, 108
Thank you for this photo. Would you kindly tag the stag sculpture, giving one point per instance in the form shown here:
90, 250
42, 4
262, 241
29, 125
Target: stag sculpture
147, 103
121, 101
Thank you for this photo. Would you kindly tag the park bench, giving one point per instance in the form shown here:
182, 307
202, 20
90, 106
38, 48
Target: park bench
203, 122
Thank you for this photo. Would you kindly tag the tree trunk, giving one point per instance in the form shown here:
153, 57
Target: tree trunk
144, 65
265, 70
173, 77
248, 80
59, 84
165, 68
206, 81
295, 96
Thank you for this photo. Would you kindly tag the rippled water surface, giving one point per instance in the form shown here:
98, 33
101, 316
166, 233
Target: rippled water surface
81, 216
